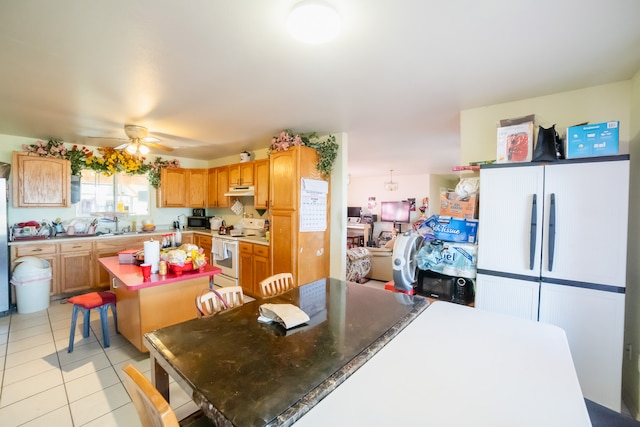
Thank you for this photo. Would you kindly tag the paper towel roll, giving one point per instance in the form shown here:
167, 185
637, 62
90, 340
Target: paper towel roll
152, 254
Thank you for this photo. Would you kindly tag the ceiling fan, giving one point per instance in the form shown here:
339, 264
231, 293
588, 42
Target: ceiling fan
139, 142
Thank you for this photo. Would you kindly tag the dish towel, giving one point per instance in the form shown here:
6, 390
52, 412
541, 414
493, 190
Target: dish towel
219, 250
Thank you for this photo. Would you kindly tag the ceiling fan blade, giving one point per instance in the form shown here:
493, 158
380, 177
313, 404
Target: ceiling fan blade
158, 146
150, 139
122, 146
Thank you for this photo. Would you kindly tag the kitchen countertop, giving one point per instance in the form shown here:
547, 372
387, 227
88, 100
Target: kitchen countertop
131, 275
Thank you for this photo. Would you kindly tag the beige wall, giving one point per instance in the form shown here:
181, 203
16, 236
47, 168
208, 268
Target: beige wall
616, 101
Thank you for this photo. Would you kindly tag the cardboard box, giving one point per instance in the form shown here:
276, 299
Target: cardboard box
450, 229
600, 139
451, 206
515, 143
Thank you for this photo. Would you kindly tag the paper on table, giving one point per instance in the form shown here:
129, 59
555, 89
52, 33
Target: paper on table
288, 315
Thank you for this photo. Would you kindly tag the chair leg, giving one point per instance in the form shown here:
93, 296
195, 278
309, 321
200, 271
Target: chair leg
72, 334
115, 317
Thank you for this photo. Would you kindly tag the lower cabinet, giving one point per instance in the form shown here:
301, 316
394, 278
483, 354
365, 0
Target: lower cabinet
254, 267
204, 242
45, 251
76, 266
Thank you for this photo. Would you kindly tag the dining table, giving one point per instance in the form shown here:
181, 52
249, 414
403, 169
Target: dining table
242, 372
371, 357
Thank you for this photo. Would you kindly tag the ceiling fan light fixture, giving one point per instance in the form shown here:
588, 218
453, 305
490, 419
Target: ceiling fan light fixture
131, 148
314, 22
391, 185
143, 149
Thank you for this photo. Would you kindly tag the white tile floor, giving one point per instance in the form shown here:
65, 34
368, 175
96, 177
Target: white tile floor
42, 384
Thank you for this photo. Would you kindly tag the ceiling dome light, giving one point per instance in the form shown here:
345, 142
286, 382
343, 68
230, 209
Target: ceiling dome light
143, 149
313, 22
131, 148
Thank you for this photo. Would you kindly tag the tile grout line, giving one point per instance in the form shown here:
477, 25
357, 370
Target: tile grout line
64, 383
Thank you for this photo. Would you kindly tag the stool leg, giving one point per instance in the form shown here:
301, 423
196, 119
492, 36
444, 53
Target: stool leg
115, 317
87, 320
72, 334
104, 320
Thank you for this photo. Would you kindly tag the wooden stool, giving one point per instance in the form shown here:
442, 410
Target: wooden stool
98, 300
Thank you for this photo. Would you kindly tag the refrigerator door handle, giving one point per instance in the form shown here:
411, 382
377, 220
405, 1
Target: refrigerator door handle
533, 231
552, 229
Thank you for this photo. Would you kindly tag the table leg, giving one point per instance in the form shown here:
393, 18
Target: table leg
160, 378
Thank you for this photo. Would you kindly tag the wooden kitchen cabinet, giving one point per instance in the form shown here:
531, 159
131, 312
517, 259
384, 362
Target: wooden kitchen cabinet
173, 188
111, 247
218, 185
41, 182
303, 254
204, 242
261, 183
254, 267
197, 188
76, 266
241, 174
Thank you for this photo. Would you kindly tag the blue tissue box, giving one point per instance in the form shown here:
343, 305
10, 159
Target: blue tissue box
450, 229
600, 139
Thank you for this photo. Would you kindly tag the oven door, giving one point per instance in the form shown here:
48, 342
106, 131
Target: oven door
229, 265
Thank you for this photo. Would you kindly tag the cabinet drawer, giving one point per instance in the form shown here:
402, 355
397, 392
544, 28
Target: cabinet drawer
75, 246
205, 240
35, 250
261, 250
245, 248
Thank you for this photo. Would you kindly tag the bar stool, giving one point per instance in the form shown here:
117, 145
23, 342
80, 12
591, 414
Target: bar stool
98, 300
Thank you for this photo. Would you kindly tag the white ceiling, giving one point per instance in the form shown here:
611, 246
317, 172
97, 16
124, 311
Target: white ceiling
217, 77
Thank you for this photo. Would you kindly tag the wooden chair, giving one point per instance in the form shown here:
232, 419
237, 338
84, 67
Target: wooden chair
153, 410
276, 284
210, 302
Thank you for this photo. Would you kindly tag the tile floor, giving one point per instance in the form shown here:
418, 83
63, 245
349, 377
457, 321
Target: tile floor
42, 384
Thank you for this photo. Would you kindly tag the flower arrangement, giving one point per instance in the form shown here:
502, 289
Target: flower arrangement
156, 166
53, 148
112, 161
327, 149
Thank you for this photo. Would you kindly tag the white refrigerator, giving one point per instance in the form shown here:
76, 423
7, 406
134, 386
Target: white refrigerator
552, 247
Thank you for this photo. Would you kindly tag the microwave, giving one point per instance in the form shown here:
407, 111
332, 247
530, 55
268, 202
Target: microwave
199, 222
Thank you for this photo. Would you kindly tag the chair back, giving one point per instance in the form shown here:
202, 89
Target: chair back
210, 301
153, 410
276, 284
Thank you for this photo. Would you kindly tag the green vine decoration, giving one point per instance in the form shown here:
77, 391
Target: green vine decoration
327, 149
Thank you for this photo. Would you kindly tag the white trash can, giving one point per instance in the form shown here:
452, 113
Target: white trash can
32, 280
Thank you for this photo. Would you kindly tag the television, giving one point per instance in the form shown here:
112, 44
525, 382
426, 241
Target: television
354, 212
396, 212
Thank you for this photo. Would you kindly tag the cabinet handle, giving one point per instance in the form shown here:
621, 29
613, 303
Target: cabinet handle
37, 250
533, 231
552, 230
114, 284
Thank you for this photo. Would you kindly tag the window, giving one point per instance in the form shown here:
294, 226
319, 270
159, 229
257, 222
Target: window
117, 193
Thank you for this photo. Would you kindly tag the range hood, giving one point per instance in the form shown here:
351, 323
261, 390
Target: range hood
246, 190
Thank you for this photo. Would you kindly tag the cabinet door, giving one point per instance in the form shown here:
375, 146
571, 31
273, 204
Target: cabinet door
594, 323
505, 243
261, 183
234, 174
223, 187
245, 270
173, 185
246, 173
197, 186
283, 241
283, 180
507, 296
76, 266
588, 196
260, 267
40, 181
212, 188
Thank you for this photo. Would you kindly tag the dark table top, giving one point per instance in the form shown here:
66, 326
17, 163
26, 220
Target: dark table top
246, 373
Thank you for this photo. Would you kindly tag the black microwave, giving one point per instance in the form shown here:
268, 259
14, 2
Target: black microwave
199, 222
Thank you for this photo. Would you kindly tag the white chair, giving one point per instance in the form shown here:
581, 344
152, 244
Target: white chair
153, 410
276, 284
211, 301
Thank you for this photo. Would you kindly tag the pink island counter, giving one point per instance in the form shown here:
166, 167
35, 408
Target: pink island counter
144, 306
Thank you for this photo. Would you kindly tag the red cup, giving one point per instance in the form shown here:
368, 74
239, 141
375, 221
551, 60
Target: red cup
146, 272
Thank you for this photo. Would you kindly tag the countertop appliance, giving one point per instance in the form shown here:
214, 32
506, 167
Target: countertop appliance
552, 247
198, 212
202, 222
4, 251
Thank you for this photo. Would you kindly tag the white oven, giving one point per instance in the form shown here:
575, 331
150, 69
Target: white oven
224, 254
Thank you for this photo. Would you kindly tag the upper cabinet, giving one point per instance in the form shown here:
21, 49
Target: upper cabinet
261, 183
183, 188
218, 179
40, 182
241, 174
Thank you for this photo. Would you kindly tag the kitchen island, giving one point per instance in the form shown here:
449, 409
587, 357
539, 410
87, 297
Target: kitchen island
144, 306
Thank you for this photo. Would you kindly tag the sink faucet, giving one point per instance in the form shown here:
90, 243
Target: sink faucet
116, 219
